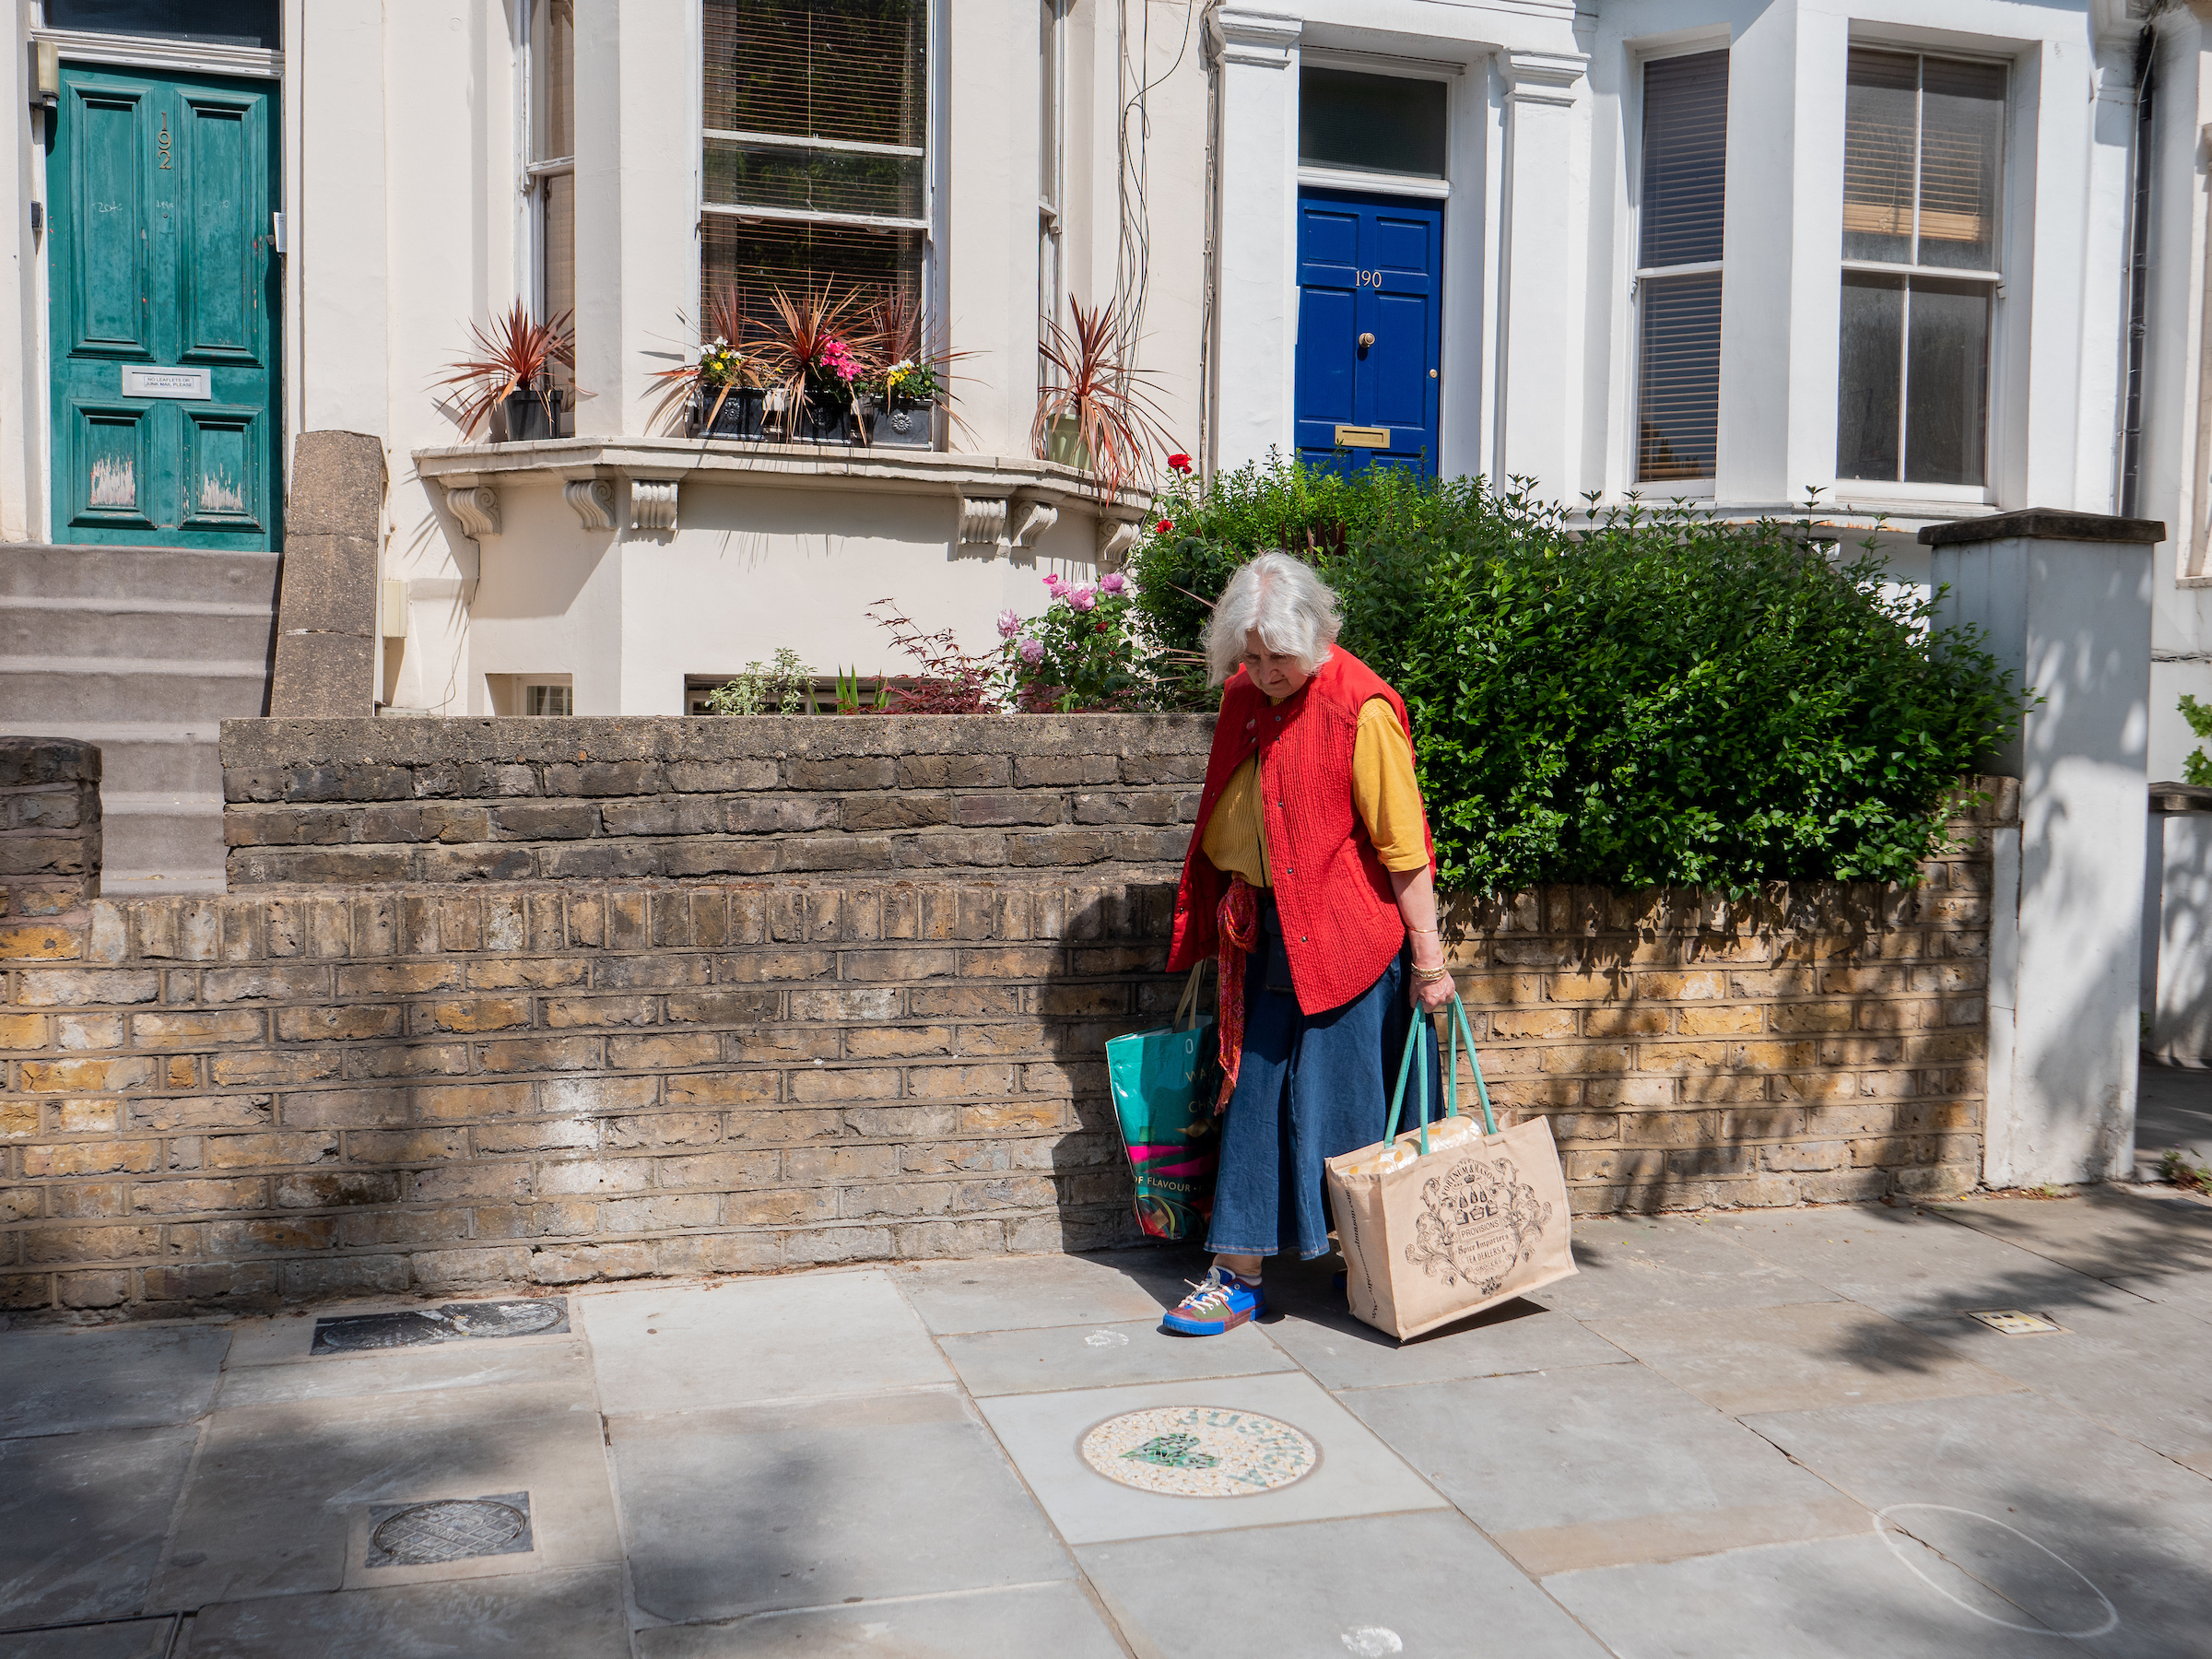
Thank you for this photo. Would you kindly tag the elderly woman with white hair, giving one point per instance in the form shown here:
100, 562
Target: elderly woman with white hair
1311, 872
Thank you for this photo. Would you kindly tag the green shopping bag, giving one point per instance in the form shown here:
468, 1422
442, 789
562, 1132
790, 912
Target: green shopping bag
1163, 1085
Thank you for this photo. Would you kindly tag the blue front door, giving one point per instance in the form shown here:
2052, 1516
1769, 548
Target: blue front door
1369, 329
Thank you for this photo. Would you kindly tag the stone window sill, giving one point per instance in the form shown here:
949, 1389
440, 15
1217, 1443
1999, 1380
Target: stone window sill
1005, 501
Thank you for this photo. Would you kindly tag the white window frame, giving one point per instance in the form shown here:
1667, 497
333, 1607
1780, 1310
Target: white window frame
1052, 198
533, 172
1877, 491
1639, 59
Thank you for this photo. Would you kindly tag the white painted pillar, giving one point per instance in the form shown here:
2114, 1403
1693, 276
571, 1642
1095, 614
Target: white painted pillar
2063, 602
1540, 317
637, 199
1255, 257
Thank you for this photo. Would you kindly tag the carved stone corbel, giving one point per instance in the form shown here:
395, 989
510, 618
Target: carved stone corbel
477, 508
1116, 537
982, 521
593, 502
653, 503
1027, 519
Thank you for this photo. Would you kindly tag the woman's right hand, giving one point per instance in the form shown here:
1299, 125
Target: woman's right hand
1429, 995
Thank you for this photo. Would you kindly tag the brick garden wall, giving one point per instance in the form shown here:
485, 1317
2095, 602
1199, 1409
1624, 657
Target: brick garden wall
292, 1093
49, 827
354, 801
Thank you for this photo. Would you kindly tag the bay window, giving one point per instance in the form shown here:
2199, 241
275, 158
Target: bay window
1678, 266
550, 180
1922, 160
815, 148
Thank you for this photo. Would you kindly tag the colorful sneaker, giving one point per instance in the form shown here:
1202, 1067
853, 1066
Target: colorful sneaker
1220, 1301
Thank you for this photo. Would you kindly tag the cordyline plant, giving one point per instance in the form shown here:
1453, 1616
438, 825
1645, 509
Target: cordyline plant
1118, 421
816, 348
513, 354
715, 369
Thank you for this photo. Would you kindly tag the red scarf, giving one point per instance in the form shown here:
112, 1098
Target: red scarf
1239, 930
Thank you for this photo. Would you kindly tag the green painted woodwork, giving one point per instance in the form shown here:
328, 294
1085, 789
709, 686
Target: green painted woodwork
158, 257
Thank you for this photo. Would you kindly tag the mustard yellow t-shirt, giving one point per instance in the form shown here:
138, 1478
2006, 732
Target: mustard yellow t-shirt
1384, 794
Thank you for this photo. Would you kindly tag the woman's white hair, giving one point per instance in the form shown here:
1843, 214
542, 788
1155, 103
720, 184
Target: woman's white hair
1292, 610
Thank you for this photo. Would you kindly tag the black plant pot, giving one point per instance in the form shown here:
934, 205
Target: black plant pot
736, 415
822, 422
533, 414
903, 424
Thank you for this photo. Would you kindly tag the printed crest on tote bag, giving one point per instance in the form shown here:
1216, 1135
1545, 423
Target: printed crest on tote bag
1445, 1219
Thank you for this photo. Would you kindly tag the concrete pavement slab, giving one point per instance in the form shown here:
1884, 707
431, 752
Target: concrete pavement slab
576, 1615
1795, 1359
561, 1361
1904, 1262
1667, 1263
274, 1497
740, 1342
1357, 1473
1418, 1584
1020, 1292
2135, 1525
1600, 1447
1024, 1361
810, 1504
2157, 1247
1839, 1598
82, 1517
1057, 1620
64, 1382
131, 1639
2137, 1367
1516, 1336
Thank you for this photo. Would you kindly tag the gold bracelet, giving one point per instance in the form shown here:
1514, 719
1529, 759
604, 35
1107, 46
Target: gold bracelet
1420, 929
1428, 976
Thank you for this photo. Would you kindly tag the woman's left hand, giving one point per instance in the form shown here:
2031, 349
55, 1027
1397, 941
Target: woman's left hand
1429, 995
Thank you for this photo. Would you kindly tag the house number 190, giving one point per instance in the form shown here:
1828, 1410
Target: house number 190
1365, 278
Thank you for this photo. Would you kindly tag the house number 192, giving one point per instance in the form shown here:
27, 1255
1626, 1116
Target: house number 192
161, 138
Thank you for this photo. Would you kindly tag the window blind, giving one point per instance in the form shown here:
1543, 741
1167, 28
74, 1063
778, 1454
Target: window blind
836, 69
1685, 158
1921, 147
1684, 180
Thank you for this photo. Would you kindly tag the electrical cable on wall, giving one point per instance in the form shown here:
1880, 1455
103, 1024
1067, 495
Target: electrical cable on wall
1133, 243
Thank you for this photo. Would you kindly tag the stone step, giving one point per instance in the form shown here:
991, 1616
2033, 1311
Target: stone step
156, 576
199, 631
35, 691
149, 757
162, 843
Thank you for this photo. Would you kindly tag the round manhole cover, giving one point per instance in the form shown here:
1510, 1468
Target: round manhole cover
450, 1530
503, 1319
1199, 1451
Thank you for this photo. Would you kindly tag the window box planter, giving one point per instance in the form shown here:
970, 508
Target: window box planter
736, 415
824, 422
903, 424
532, 413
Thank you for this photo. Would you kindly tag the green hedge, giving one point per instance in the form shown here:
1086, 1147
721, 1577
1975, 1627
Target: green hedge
1654, 699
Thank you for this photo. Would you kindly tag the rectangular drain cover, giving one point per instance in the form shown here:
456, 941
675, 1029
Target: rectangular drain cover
447, 1529
2013, 1322
456, 1322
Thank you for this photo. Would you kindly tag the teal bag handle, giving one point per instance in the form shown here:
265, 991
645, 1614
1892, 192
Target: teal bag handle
1413, 1042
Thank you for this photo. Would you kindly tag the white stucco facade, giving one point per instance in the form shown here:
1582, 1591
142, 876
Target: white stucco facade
628, 563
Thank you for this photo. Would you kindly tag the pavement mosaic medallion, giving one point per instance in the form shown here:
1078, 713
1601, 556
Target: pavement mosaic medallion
1199, 1451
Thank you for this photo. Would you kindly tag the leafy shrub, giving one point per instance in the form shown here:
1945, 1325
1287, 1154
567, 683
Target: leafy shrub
1656, 699
784, 687
1076, 655
2197, 766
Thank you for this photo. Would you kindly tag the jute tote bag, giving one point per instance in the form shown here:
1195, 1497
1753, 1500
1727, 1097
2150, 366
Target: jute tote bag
1447, 1219
1162, 1084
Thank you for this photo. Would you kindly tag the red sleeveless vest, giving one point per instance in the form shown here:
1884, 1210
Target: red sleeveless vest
1340, 920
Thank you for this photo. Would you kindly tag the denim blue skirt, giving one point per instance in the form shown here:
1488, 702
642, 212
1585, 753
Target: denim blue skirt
1309, 1087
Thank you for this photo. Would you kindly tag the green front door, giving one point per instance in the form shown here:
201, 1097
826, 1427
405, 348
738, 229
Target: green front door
163, 292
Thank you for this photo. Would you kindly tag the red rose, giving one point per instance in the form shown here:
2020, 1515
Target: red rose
1164, 526
1182, 464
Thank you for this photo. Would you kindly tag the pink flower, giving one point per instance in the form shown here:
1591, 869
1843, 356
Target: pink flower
1164, 526
1010, 624
1113, 582
1081, 598
837, 356
1032, 651
1052, 585
1180, 464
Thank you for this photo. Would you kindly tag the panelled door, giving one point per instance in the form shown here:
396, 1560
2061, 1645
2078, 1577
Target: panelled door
163, 299
1369, 329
